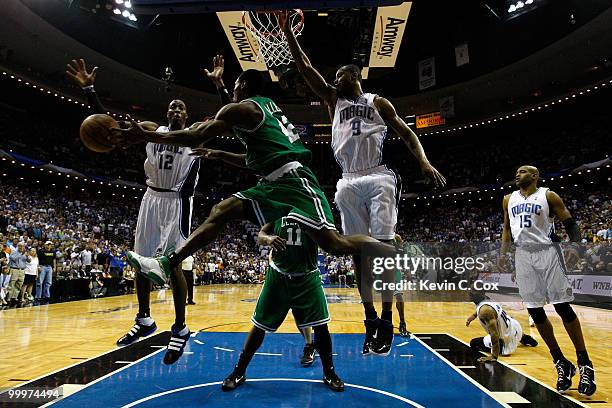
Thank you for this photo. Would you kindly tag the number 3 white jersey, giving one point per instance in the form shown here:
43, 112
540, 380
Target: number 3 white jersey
510, 330
358, 134
530, 220
171, 167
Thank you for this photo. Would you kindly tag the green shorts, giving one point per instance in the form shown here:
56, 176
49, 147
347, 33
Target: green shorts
302, 294
296, 195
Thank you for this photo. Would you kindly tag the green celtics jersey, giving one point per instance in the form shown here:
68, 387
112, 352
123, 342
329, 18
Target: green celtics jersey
301, 254
274, 142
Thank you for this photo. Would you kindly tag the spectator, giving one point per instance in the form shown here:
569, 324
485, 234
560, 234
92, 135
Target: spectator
17, 264
47, 259
187, 267
30, 277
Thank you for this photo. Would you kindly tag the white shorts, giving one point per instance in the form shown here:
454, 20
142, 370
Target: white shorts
541, 276
164, 221
368, 202
509, 343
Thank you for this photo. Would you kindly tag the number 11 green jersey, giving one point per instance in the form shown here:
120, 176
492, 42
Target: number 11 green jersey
301, 253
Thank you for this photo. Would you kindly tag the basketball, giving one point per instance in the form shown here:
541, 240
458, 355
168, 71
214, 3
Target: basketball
95, 131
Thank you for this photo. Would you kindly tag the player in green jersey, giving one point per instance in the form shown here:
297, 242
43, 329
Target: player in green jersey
288, 189
292, 283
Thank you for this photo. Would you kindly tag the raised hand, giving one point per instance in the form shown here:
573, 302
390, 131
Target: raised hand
284, 21
78, 72
216, 75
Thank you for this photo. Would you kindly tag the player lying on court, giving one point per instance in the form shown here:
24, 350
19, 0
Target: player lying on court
172, 175
503, 332
540, 270
288, 189
368, 194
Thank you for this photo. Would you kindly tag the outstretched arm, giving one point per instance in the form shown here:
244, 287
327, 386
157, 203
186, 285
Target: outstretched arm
388, 113
313, 78
235, 159
245, 115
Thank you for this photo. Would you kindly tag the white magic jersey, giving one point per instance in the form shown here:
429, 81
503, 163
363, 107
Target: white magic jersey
171, 167
358, 133
530, 219
510, 331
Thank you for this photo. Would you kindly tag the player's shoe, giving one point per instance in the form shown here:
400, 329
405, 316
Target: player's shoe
565, 372
333, 382
233, 381
587, 386
137, 331
384, 338
156, 270
308, 357
527, 340
176, 345
371, 326
403, 331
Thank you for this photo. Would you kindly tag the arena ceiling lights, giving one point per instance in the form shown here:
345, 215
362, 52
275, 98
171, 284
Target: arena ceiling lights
123, 8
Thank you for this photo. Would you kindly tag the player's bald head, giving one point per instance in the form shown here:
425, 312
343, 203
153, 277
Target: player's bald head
177, 114
526, 175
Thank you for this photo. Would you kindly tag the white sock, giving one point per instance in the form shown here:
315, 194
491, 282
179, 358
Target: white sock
184, 331
146, 321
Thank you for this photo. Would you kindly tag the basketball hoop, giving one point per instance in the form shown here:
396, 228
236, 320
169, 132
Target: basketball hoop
265, 27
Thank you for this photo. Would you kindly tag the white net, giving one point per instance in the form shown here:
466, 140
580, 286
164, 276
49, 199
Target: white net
265, 27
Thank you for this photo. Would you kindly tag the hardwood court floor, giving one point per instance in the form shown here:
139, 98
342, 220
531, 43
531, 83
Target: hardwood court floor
39, 340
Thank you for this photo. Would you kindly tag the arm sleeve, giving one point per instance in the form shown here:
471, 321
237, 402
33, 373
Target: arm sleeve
572, 229
224, 95
94, 102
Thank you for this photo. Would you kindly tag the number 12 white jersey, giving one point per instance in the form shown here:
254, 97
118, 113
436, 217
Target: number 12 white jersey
358, 134
171, 167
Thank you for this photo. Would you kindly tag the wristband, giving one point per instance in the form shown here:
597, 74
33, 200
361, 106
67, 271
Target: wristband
89, 89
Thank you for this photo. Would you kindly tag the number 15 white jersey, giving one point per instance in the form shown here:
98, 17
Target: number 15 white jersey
171, 167
530, 220
358, 134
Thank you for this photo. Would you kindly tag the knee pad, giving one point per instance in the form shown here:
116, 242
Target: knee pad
537, 314
565, 311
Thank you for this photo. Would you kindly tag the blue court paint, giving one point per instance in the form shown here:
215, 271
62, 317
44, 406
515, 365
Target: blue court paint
274, 381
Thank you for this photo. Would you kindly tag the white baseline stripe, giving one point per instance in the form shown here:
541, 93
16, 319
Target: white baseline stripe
386, 393
199, 342
222, 349
268, 354
108, 375
467, 377
402, 344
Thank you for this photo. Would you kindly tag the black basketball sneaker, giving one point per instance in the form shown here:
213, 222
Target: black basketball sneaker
384, 338
308, 357
233, 381
403, 330
334, 382
137, 331
587, 386
371, 326
176, 345
565, 372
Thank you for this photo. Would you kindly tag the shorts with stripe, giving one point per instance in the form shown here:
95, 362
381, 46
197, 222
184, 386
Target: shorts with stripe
541, 276
368, 202
164, 222
295, 195
303, 295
